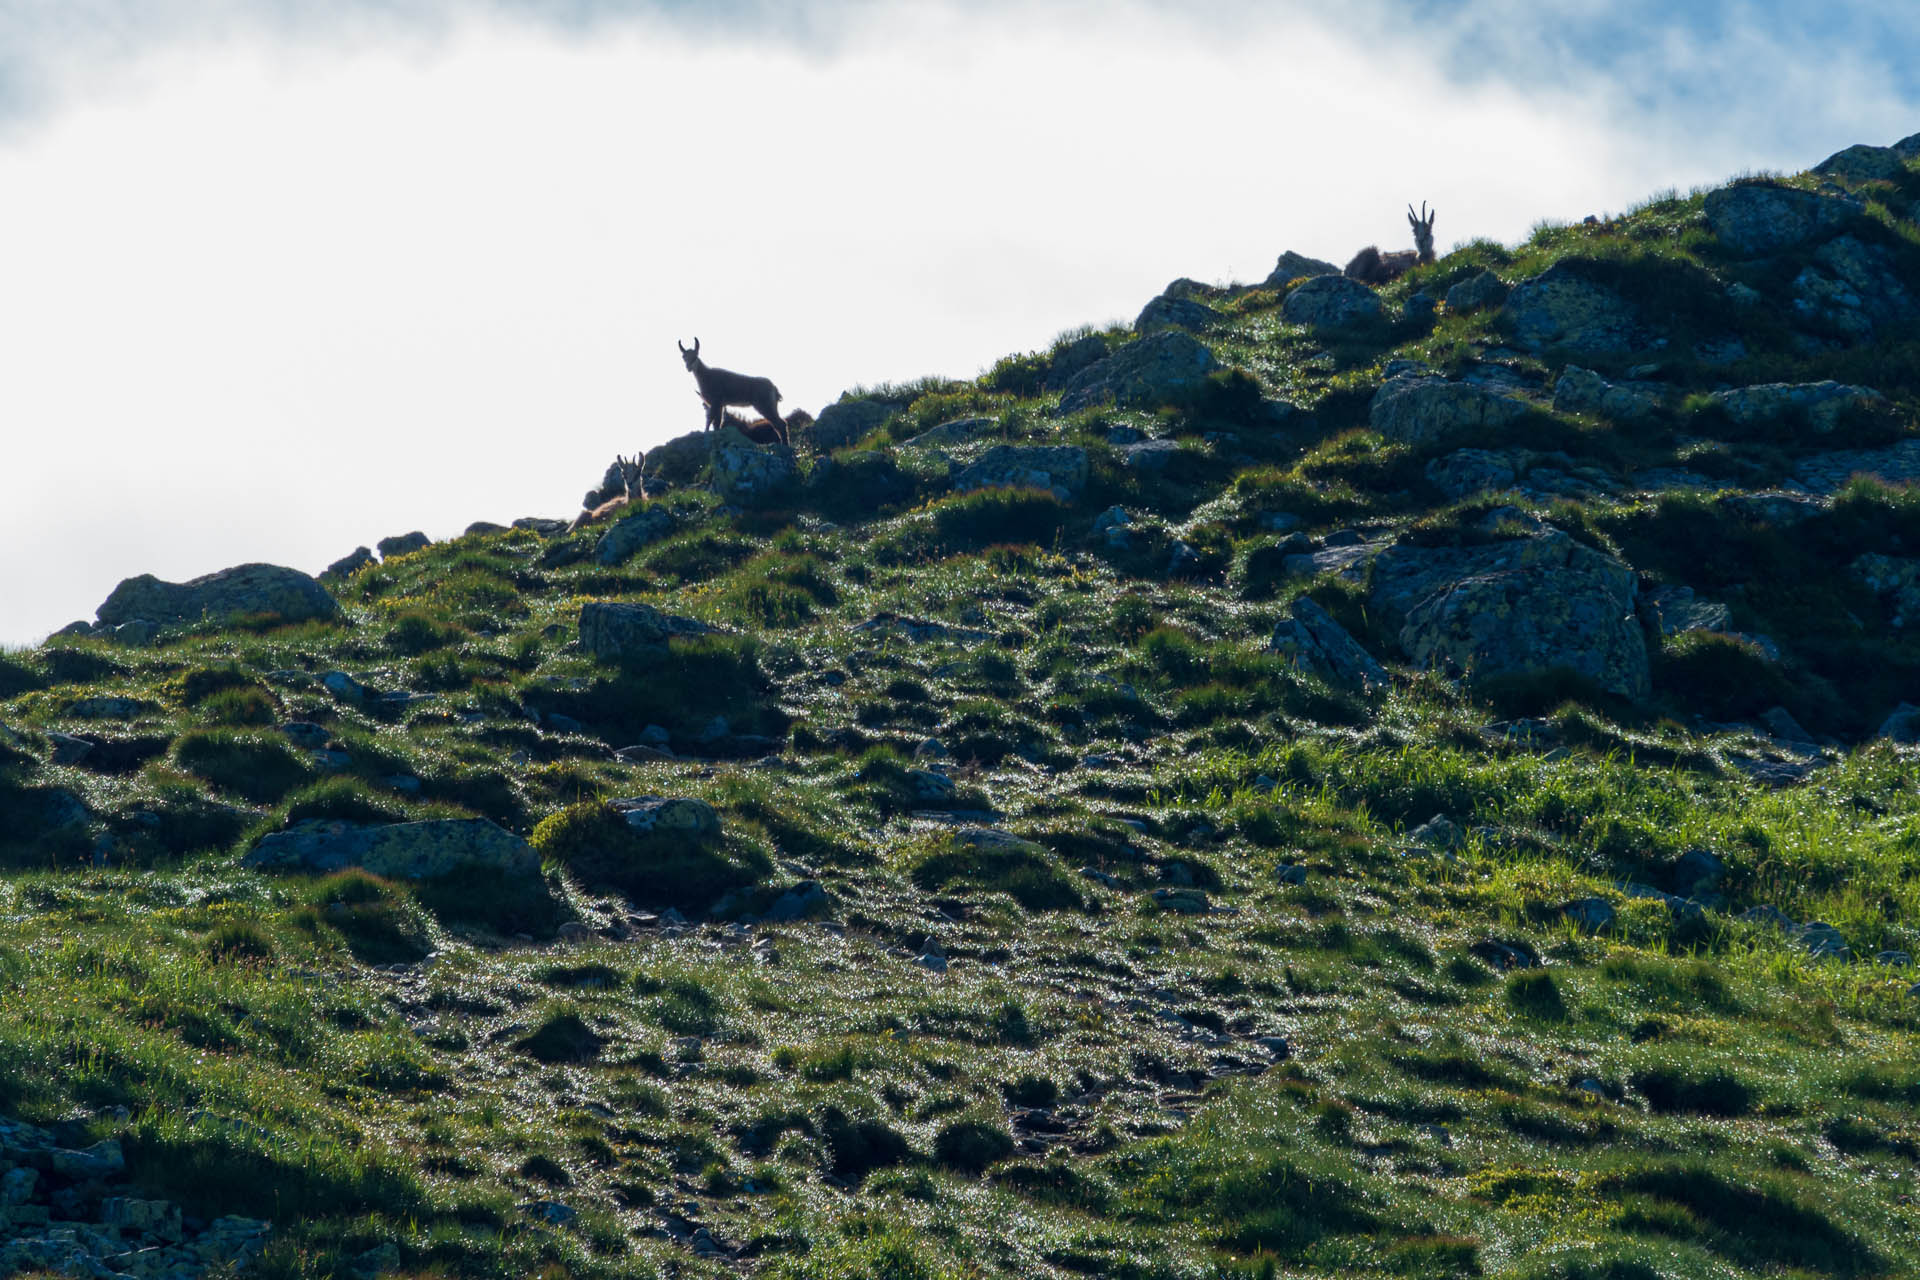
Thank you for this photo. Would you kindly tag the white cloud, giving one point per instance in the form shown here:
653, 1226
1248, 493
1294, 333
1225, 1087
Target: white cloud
268, 301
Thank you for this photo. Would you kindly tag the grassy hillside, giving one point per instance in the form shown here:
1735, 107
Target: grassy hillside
1055, 923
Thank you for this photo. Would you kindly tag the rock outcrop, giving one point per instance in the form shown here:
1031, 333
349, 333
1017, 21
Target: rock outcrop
1145, 373
246, 591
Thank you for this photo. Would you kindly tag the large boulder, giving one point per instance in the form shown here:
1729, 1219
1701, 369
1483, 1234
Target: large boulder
747, 474
1563, 307
1013, 466
1292, 266
1146, 373
400, 850
1176, 308
845, 421
1759, 218
1818, 405
618, 631
1311, 640
248, 590
1515, 607
1418, 409
1851, 288
624, 536
1862, 163
1332, 303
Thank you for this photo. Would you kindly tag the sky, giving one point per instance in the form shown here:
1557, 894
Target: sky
279, 278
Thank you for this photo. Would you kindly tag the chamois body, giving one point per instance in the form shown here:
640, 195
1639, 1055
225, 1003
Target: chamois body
1372, 267
633, 486
723, 387
760, 431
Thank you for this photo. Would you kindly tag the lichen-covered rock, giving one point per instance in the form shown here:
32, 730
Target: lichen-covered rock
354, 561
1672, 610
1851, 289
617, 630
650, 523
401, 850
1520, 606
1760, 218
1862, 163
1310, 639
672, 465
1895, 579
1421, 409
248, 590
1292, 266
845, 421
1583, 391
1173, 310
1008, 466
1827, 472
670, 817
1562, 307
1469, 471
746, 473
1483, 290
1145, 373
402, 544
1332, 303
1817, 404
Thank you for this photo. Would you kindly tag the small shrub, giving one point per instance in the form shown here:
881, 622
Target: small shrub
259, 768
1532, 993
561, 1036
857, 1147
377, 919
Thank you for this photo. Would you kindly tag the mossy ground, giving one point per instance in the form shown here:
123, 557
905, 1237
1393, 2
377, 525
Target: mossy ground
1092, 1085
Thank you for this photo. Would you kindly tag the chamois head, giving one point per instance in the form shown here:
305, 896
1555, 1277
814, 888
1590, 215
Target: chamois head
693, 357
1422, 230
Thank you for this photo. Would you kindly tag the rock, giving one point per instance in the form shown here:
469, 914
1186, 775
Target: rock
401, 850
1818, 405
1591, 915
482, 526
1563, 308
1893, 959
403, 544
554, 1213
1169, 311
681, 818
1332, 303
748, 474
1292, 266
1510, 954
1007, 466
1821, 940
68, 749
1422, 409
343, 686
1418, 309
248, 590
1583, 391
1439, 833
628, 534
1902, 726
1861, 163
805, 899
546, 527
1149, 455
1291, 873
675, 464
845, 421
1469, 471
1826, 473
107, 707
1313, 641
1670, 611
618, 631
956, 431
1186, 902
349, 564
101, 1160
1759, 218
932, 963
931, 790
1521, 606
1851, 288
1779, 723
1475, 292
1698, 872
1150, 371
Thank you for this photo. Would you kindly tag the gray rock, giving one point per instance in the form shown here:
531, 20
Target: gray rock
1313, 641
931, 790
1908, 148
845, 421
1421, 409
1821, 940
1817, 404
1861, 163
1591, 915
1519, 606
748, 474
1146, 373
629, 534
107, 707
1469, 471
956, 431
349, 564
1292, 266
401, 850
1418, 309
675, 464
1893, 959
1562, 308
1895, 580
615, 631
545, 526
1826, 473
676, 817
804, 899
482, 526
1902, 726
1186, 902
1852, 288
244, 591
403, 544
1698, 872
68, 749
1475, 292
1169, 311
343, 686
101, 1160
1149, 455
1584, 391
1438, 832
1020, 466
1332, 303
1673, 610
1759, 218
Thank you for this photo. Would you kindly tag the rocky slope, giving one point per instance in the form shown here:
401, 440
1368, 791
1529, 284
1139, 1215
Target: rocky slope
1326, 780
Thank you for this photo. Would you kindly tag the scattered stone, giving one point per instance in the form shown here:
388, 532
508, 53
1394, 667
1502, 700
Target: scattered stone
107, 707
1149, 455
748, 474
1291, 873
932, 790
1275, 1045
1901, 726
1893, 959
403, 544
1817, 404
400, 850
1821, 940
1759, 218
956, 431
552, 1212
1186, 902
1310, 639
1861, 163
1418, 309
1171, 310
248, 590
805, 899
306, 734
1332, 303
1439, 833
679, 817
1510, 954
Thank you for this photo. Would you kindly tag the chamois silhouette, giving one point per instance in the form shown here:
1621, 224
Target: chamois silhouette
1370, 266
761, 430
632, 482
723, 387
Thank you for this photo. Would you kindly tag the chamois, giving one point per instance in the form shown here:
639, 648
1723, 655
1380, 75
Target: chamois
633, 484
1370, 266
761, 430
723, 387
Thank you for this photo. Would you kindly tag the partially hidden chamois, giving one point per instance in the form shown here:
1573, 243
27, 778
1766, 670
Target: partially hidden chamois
1370, 266
633, 485
723, 387
760, 430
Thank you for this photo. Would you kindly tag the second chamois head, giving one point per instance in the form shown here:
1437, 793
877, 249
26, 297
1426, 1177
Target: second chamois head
723, 387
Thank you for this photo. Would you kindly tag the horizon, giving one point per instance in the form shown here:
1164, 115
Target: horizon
285, 281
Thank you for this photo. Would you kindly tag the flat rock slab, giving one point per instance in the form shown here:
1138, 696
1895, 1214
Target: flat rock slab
245, 590
400, 850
